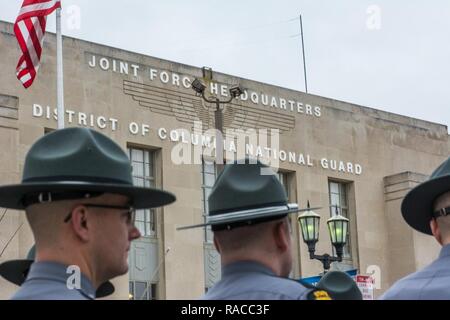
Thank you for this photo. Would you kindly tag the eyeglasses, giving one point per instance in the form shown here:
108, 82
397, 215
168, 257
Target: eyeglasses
131, 212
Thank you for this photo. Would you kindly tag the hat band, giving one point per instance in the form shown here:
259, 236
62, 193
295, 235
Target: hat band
442, 212
249, 214
46, 197
87, 179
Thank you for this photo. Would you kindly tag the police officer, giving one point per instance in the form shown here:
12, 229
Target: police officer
78, 194
16, 271
248, 213
426, 208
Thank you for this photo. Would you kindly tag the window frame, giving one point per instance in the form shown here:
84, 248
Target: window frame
150, 287
343, 209
148, 225
208, 235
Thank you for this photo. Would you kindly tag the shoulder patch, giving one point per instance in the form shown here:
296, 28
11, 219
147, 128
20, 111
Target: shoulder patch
319, 295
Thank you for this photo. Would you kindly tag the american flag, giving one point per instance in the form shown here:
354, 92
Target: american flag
30, 29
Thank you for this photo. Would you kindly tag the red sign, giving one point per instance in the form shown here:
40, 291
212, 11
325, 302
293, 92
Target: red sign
365, 284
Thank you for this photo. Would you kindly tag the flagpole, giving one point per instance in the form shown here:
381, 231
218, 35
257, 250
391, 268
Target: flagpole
303, 50
59, 71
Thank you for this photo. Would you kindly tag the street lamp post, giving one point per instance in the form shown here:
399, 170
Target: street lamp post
337, 227
235, 92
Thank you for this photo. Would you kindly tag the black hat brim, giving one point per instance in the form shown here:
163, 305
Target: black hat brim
11, 196
105, 289
417, 207
15, 271
340, 286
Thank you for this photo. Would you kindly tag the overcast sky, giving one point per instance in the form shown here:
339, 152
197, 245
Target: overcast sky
389, 55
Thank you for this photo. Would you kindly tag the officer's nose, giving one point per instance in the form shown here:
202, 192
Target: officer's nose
134, 233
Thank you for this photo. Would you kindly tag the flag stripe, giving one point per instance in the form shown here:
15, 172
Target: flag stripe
41, 9
30, 30
25, 61
36, 42
30, 2
35, 7
40, 27
29, 43
26, 77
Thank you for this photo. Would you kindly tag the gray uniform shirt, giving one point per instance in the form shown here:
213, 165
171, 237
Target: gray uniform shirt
247, 280
430, 283
48, 281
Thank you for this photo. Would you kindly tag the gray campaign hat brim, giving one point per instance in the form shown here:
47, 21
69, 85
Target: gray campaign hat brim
246, 192
11, 196
249, 215
417, 206
78, 160
16, 271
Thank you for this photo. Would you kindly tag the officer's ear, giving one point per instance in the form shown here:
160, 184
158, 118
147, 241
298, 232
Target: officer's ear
435, 230
281, 235
79, 222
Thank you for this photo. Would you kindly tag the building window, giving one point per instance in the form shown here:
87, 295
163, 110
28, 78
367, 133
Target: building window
142, 162
141, 290
283, 177
209, 175
339, 199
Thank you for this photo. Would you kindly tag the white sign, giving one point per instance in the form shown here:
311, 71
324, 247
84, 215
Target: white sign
152, 74
365, 284
202, 139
